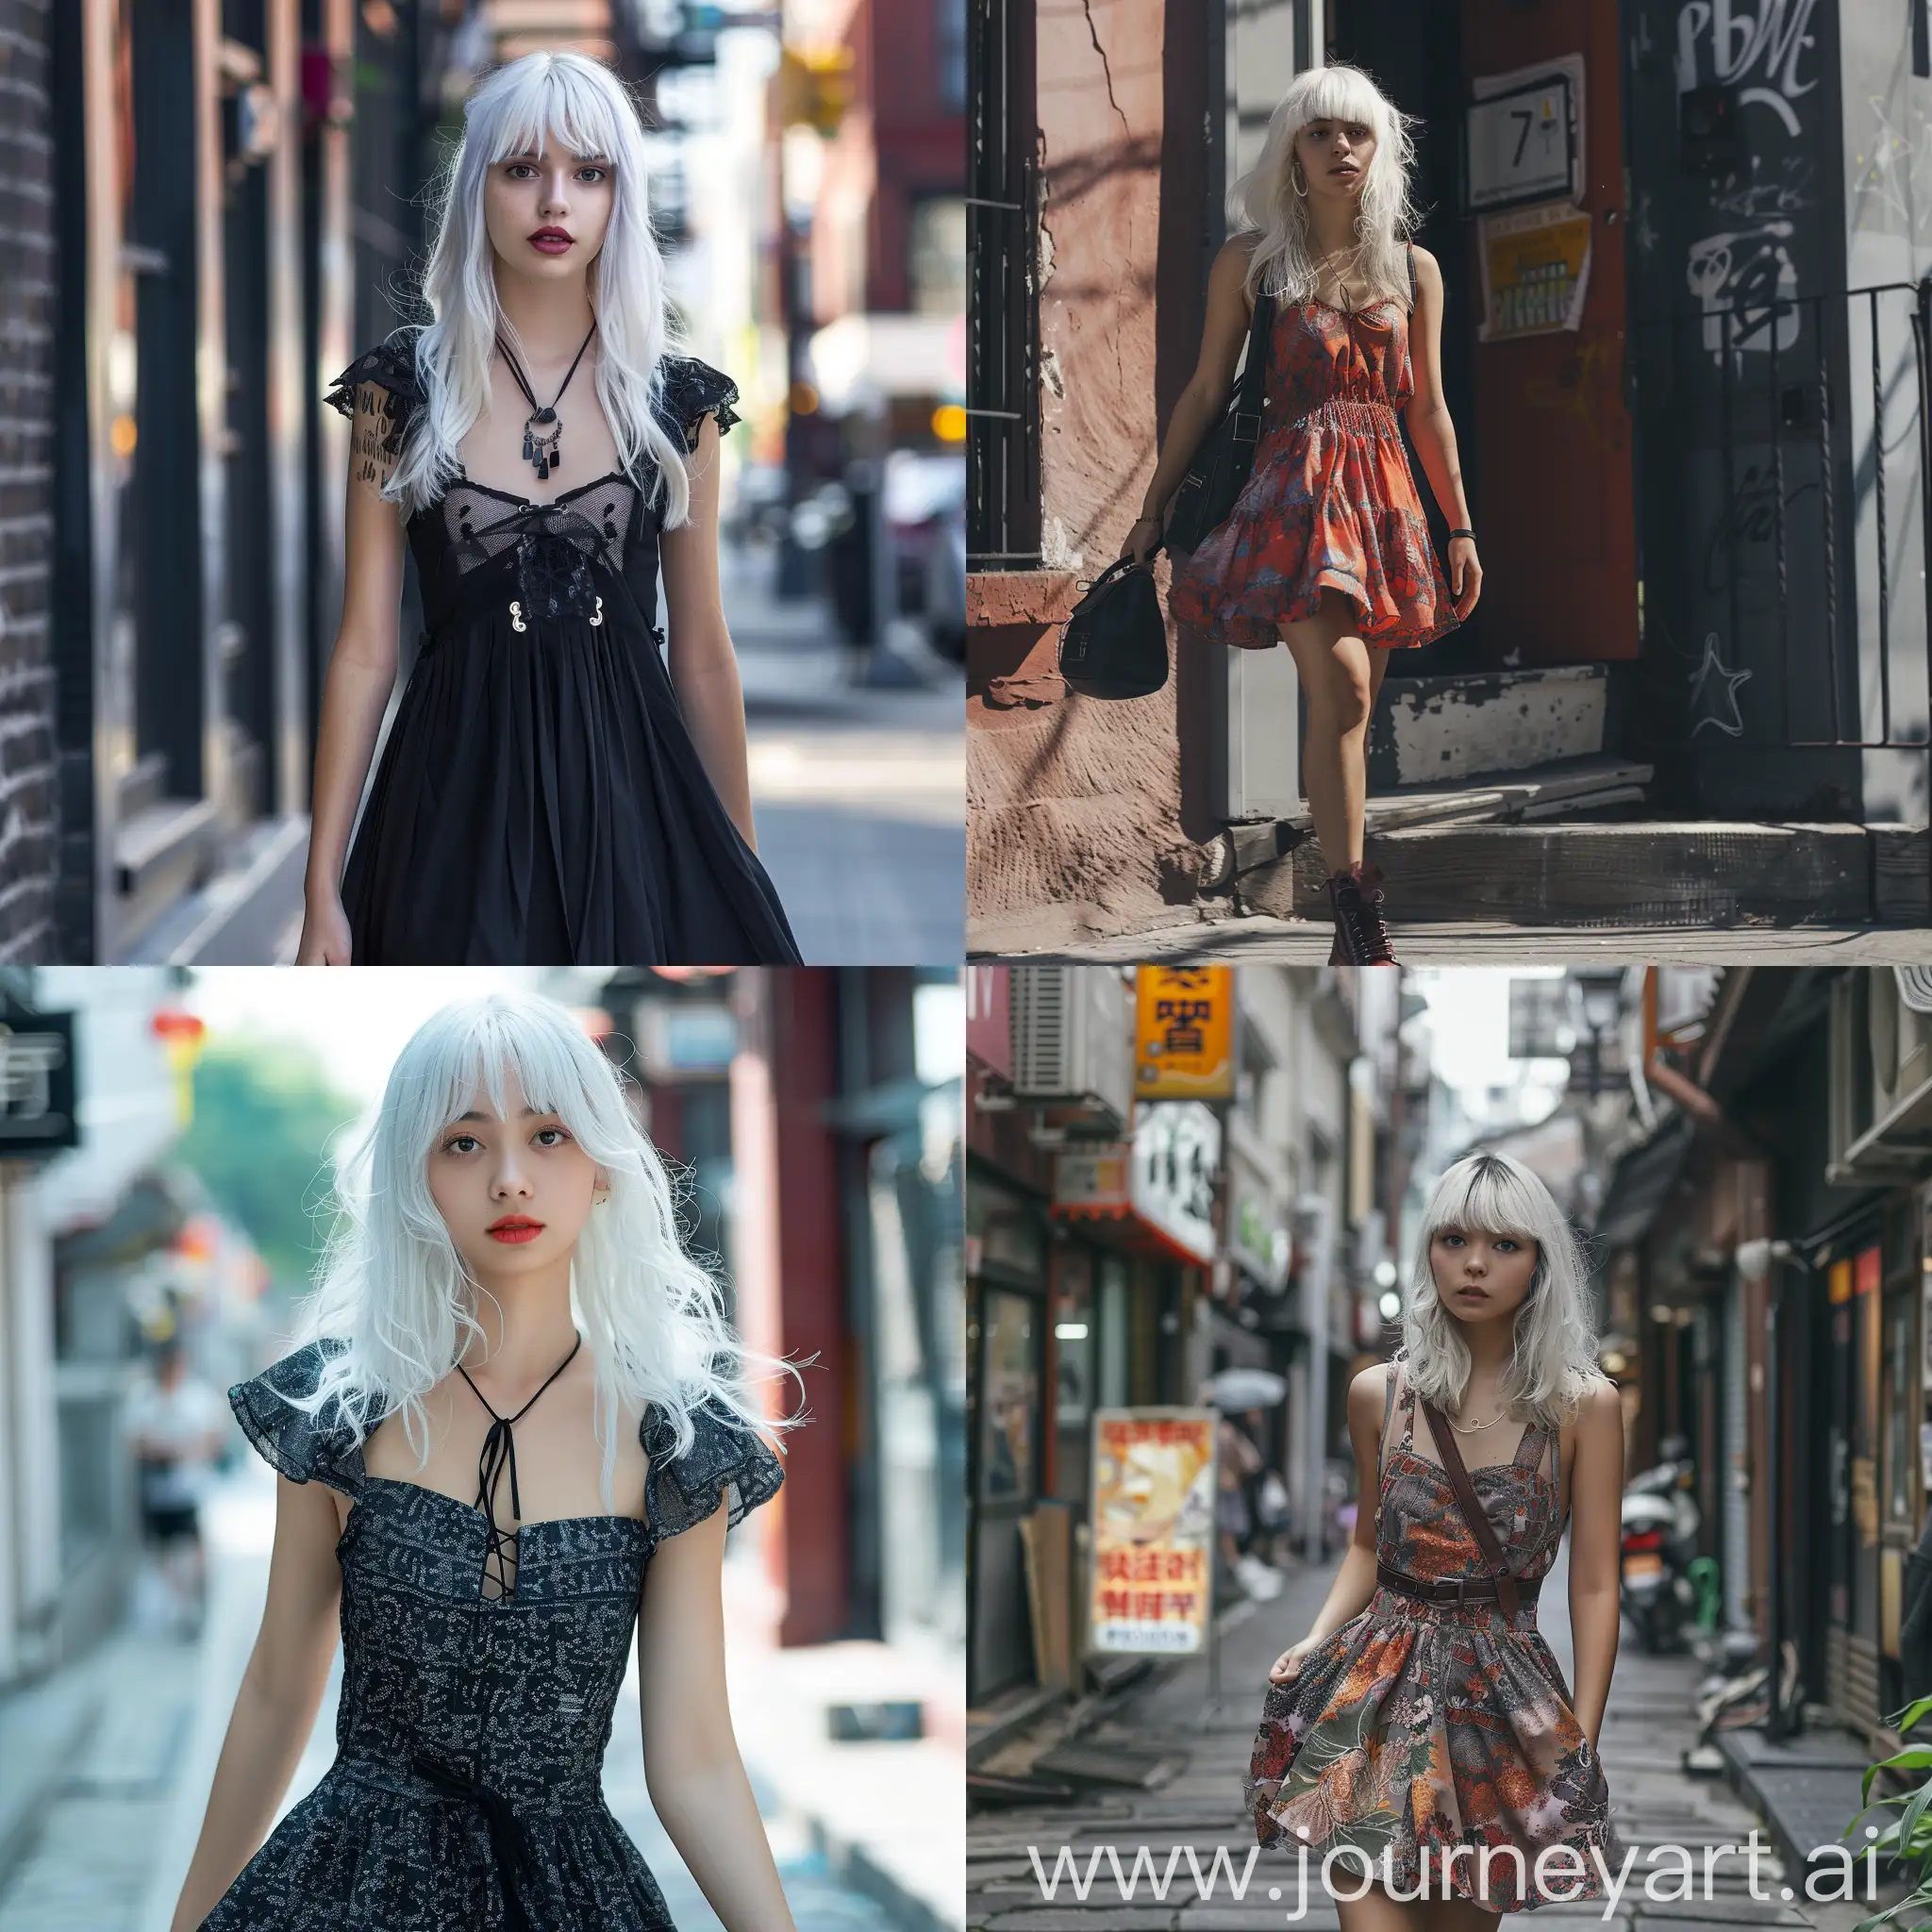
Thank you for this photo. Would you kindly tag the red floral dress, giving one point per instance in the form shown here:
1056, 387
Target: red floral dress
1428, 1725
1330, 503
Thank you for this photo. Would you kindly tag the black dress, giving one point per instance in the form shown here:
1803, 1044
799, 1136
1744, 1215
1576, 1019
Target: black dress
540, 801
465, 1795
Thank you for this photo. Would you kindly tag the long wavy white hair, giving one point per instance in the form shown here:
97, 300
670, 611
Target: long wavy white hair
1264, 201
1553, 1361
394, 1290
545, 101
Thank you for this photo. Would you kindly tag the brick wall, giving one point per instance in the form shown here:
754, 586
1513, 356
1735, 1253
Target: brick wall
27, 829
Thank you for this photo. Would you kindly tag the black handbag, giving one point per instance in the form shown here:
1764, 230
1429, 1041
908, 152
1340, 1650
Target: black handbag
1220, 471
1114, 645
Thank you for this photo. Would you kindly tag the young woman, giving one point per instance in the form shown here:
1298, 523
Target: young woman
1416, 1718
517, 1432
1327, 548
560, 785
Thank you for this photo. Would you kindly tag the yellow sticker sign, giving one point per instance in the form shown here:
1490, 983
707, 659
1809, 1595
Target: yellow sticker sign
1184, 1039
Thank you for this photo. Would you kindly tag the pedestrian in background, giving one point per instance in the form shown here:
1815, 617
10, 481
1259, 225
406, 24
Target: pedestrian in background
176, 1426
507, 1297
1327, 548
1424, 1713
563, 782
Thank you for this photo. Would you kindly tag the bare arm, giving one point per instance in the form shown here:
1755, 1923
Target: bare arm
704, 667
697, 1777
1355, 1581
1596, 1492
1199, 408
1434, 433
361, 671
281, 1690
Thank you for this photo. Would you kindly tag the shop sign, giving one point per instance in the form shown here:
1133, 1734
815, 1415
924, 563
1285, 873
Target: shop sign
1176, 1163
1184, 1036
37, 1113
1536, 271
1255, 1235
1093, 1180
1525, 135
1153, 1530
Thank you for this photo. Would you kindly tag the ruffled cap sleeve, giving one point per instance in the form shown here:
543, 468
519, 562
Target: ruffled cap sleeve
725, 1461
392, 367
302, 1447
693, 390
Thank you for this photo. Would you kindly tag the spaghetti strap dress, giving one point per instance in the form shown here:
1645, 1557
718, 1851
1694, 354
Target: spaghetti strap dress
1330, 503
466, 1795
540, 801
1430, 1726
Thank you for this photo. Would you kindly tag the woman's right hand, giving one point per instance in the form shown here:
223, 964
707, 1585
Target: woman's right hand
1143, 539
324, 934
1287, 1665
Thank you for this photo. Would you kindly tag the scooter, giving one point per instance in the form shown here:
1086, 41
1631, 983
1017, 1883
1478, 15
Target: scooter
1661, 1521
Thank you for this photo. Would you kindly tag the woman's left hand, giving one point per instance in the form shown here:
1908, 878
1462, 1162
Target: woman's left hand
1465, 574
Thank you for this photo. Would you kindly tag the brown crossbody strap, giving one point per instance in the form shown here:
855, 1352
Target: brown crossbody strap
1480, 1524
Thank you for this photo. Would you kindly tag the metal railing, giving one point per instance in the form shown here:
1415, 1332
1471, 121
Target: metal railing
1003, 298
1825, 495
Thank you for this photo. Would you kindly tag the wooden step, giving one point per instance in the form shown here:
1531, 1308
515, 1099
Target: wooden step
1659, 875
1463, 727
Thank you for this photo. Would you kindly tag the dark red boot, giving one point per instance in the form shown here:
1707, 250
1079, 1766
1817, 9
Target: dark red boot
1360, 938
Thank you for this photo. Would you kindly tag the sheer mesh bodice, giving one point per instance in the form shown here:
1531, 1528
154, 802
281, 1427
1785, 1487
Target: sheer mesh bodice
540, 800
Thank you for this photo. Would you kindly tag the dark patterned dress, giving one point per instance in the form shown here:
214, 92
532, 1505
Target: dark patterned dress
1422, 1724
465, 1795
1330, 503
540, 801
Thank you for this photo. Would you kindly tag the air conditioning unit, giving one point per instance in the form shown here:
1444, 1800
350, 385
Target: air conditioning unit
1073, 1040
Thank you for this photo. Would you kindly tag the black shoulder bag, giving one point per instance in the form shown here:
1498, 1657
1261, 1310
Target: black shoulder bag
1220, 471
1114, 645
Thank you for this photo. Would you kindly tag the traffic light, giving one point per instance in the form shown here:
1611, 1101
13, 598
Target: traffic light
814, 88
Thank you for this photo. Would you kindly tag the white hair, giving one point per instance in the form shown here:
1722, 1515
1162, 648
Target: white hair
527, 107
1553, 1362
1264, 201
394, 1290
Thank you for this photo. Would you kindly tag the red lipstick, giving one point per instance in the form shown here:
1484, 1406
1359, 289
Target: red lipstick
514, 1228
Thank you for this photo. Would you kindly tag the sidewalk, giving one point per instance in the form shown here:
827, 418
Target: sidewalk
1647, 1725
859, 788
1185, 937
108, 1809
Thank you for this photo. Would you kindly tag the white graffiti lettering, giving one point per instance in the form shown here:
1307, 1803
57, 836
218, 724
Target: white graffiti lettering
1770, 43
1741, 279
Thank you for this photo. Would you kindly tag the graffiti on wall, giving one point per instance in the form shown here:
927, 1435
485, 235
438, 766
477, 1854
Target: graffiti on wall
1761, 51
1746, 284
1714, 693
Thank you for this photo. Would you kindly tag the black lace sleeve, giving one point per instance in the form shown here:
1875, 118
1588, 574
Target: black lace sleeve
302, 1447
693, 390
391, 366
725, 1459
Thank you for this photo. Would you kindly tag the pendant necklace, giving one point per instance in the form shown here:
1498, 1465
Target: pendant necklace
540, 433
1469, 1428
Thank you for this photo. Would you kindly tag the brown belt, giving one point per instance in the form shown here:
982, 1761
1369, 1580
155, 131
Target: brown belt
1454, 1589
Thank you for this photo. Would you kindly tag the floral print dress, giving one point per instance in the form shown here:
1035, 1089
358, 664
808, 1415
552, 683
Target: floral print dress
1330, 503
1433, 1725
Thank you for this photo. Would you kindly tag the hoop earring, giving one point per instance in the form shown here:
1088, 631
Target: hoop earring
1295, 180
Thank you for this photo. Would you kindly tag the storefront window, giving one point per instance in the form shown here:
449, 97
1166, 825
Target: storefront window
1007, 1452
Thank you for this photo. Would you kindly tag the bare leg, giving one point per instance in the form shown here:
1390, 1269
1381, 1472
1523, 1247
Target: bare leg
1340, 675
1376, 1911
1456, 1915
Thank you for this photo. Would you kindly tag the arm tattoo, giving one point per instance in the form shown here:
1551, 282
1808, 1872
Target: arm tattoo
368, 462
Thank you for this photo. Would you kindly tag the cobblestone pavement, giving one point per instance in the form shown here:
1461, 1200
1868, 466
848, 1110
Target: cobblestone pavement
1646, 1727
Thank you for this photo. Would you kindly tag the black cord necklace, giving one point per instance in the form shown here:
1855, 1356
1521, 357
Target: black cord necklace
500, 1453
540, 433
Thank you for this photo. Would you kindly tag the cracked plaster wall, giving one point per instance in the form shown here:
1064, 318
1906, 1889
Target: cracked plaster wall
1073, 801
